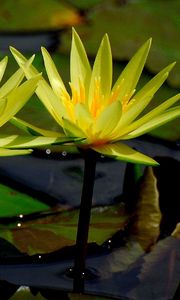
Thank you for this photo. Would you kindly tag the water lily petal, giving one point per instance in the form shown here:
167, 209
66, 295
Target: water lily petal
8, 152
34, 130
18, 97
143, 97
3, 64
71, 129
102, 70
108, 119
122, 151
21, 60
44, 91
149, 116
130, 75
16, 141
80, 68
51, 101
3, 103
11, 83
160, 120
83, 116
53, 75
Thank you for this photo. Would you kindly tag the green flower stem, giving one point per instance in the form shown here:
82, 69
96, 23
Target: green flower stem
90, 158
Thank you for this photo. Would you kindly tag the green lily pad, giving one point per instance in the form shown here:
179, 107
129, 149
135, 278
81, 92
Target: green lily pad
13, 202
42, 15
129, 26
54, 232
85, 4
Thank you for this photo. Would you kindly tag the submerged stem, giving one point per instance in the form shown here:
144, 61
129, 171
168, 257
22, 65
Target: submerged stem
79, 271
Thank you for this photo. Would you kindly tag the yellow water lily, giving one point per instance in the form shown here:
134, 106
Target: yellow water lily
13, 96
94, 110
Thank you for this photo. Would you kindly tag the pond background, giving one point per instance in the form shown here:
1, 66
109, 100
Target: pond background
50, 180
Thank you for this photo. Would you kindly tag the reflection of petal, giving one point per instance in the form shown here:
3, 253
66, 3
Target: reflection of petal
124, 152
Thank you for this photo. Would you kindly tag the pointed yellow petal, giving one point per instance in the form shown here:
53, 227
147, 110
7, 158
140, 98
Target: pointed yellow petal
102, 70
51, 101
3, 64
53, 75
34, 130
71, 129
124, 152
83, 116
6, 139
30, 70
108, 119
143, 97
7, 152
18, 97
11, 83
149, 116
132, 71
160, 120
16, 141
80, 68
44, 91
3, 103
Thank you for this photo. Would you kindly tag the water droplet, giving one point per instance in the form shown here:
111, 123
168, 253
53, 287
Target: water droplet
178, 143
64, 153
48, 151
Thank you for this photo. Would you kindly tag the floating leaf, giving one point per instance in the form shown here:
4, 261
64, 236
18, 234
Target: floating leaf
49, 14
14, 202
54, 232
109, 17
85, 4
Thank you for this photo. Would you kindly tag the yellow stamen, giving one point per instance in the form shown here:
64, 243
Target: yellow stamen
75, 96
127, 101
82, 92
114, 94
69, 107
96, 98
